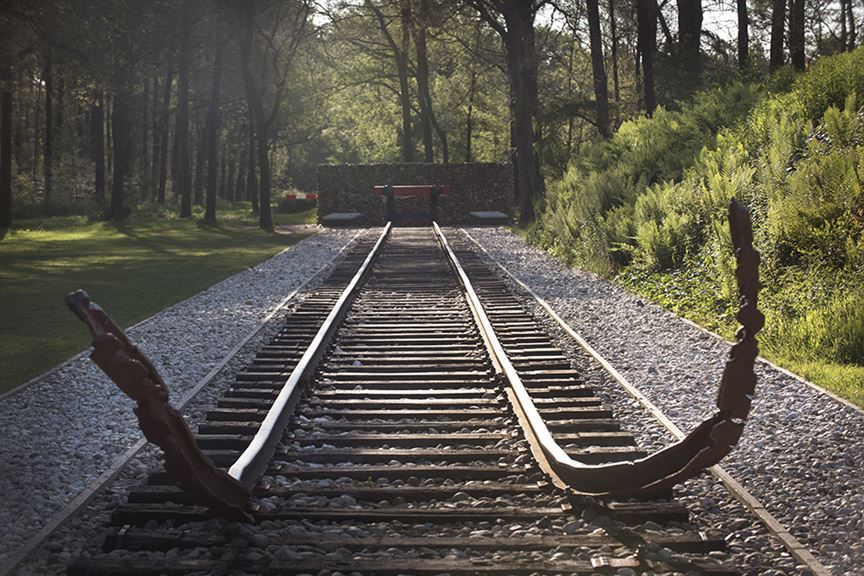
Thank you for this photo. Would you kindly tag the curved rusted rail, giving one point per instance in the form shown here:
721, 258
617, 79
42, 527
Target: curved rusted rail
225, 493
136, 376
707, 444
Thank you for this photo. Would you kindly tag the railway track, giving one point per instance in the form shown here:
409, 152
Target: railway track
403, 450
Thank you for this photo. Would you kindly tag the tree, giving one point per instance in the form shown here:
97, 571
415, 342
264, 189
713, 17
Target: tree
598, 69
184, 167
120, 138
48, 153
164, 125
400, 55
419, 28
5, 147
778, 24
513, 20
646, 18
97, 135
281, 38
613, 40
796, 33
689, 36
213, 137
743, 35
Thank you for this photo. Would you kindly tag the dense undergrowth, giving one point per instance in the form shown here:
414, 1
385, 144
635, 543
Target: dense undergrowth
649, 205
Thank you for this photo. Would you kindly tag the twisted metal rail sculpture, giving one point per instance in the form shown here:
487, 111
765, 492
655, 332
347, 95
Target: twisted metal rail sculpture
136, 376
706, 445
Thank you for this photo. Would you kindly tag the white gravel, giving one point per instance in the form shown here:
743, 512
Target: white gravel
802, 453
61, 432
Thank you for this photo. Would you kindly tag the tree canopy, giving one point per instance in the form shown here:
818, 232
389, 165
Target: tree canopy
109, 104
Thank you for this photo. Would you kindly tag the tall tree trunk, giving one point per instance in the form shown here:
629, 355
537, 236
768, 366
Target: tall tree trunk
613, 31
400, 56
251, 176
796, 33
646, 15
21, 120
778, 25
690, 35
852, 37
469, 118
48, 151
598, 69
261, 125
229, 186
35, 131
5, 147
442, 135
265, 217
109, 141
743, 35
184, 180
522, 64
843, 40
58, 128
223, 182
213, 137
424, 96
164, 125
145, 140
571, 120
428, 120
119, 134
200, 130
153, 169
98, 135
240, 186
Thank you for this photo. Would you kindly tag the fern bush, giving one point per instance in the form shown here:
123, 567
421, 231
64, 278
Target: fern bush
650, 206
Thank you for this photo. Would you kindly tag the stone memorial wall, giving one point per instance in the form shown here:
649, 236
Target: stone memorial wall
472, 187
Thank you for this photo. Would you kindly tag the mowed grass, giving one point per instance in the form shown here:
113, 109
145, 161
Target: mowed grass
844, 380
133, 270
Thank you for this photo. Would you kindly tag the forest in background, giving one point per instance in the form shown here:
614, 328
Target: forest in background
629, 125
114, 105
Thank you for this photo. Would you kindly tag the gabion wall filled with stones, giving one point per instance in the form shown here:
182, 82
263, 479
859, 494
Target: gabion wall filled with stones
473, 187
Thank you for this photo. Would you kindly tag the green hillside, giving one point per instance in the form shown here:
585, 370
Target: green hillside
648, 207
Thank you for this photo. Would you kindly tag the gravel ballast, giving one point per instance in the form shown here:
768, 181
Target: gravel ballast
802, 451
63, 430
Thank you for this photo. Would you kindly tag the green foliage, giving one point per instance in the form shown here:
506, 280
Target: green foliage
623, 190
829, 325
655, 197
135, 270
828, 82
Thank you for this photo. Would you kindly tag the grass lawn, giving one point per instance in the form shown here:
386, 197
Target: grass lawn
844, 380
133, 269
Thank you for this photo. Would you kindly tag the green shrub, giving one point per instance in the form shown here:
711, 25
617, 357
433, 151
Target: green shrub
587, 217
834, 330
828, 82
650, 205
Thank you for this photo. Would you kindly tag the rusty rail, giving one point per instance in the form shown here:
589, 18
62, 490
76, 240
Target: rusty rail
706, 445
136, 376
225, 493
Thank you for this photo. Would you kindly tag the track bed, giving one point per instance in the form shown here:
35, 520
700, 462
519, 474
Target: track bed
404, 454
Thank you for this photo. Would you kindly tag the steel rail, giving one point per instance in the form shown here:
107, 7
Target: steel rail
705, 445
736, 488
255, 457
85, 496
